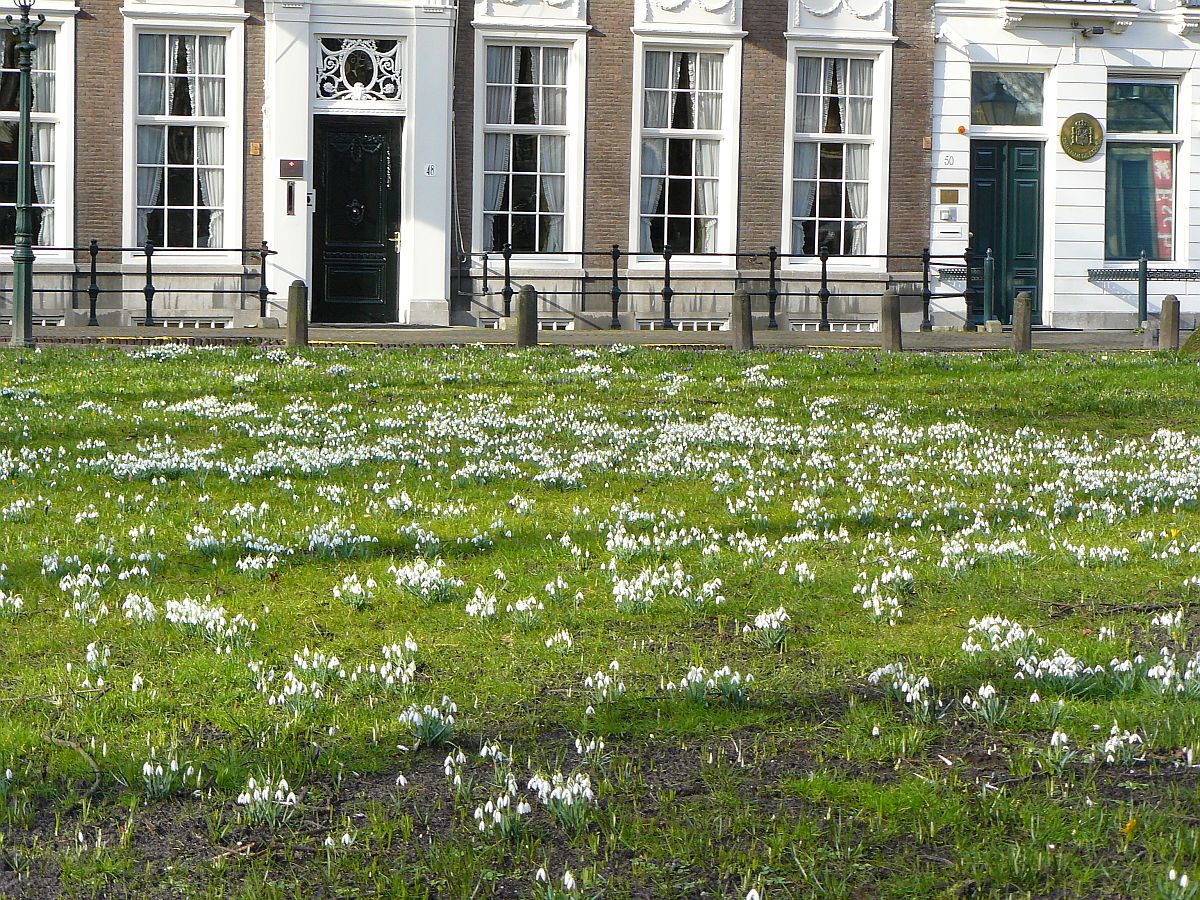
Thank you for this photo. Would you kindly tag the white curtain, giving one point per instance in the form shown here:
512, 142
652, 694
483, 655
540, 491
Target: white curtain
210, 99
554, 97
857, 172
804, 189
43, 179
151, 147
826, 92
709, 113
708, 155
43, 82
553, 152
500, 79
496, 151
808, 95
855, 87
210, 152
684, 80
189, 68
658, 65
654, 169
151, 58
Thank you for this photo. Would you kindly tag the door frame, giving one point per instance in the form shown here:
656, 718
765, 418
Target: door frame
1006, 144
395, 124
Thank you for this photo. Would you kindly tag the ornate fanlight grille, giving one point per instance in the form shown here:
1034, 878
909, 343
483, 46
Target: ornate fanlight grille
358, 69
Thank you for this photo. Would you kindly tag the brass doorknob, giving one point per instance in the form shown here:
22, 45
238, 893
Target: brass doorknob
395, 239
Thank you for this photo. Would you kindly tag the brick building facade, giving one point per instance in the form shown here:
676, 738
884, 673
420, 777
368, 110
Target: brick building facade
383, 149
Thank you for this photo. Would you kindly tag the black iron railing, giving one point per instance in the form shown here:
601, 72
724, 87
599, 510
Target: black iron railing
617, 274
102, 279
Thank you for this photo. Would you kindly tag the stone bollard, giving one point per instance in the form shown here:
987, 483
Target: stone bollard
297, 314
1022, 323
1168, 324
527, 317
741, 322
1149, 335
889, 321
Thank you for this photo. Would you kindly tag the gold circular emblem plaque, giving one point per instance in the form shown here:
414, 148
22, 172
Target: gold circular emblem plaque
1081, 136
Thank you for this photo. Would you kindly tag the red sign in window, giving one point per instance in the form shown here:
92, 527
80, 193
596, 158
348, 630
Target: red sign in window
1164, 201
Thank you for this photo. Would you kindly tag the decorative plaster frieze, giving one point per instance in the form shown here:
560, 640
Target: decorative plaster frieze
865, 10
721, 13
540, 11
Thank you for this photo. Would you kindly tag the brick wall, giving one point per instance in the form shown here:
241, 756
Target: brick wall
256, 52
764, 106
99, 62
912, 102
464, 125
607, 164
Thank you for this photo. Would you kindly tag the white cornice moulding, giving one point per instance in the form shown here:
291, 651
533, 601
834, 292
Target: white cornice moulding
52, 9
150, 10
819, 38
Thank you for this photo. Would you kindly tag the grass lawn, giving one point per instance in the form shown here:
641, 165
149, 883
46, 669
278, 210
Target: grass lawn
678, 624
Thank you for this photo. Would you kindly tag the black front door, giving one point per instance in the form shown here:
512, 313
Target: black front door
356, 220
1006, 217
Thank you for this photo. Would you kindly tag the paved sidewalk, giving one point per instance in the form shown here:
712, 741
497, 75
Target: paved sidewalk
401, 336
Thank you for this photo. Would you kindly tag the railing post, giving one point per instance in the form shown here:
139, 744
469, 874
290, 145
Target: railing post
773, 288
486, 289
93, 284
823, 294
615, 293
926, 295
527, 317
507, 292
1143, 278
989, 284
263, 293
149, 290
667, 291
1168, 324
969, 289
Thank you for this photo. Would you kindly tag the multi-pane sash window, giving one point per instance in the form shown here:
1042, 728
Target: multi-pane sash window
44, 120
1139, 203
181, 140
525, 148
831, 155
681, 151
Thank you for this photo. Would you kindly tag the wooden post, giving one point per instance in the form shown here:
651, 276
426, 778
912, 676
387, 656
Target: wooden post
889, 321
1168, 324
1022, 333
527, 316
741, 323
297, 314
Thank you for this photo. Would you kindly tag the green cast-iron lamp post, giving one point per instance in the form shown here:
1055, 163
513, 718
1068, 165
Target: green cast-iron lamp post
22, 285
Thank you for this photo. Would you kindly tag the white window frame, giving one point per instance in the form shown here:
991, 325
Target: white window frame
573, 40
1181, 162
729, 46
235, 92
1014, 132
63, 117
878, 167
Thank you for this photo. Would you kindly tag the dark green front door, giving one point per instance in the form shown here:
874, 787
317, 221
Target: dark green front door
356, 221
1006, 216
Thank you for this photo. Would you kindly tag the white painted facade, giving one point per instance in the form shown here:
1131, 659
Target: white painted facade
427, 33
1147, 38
